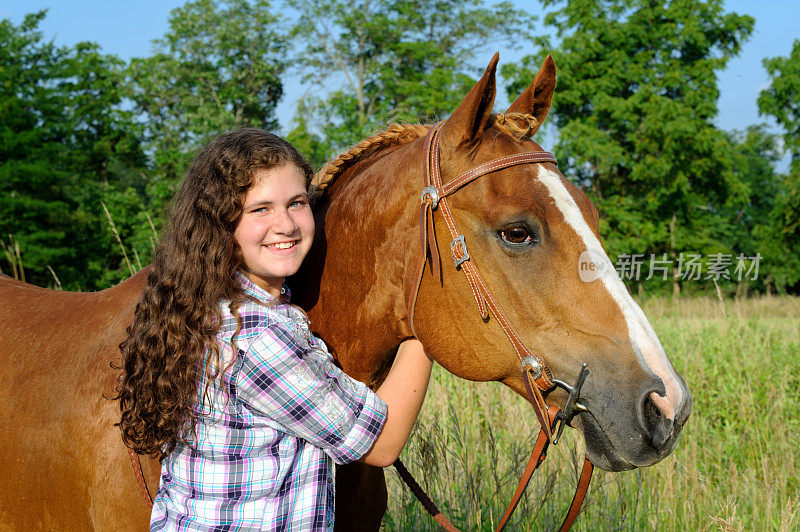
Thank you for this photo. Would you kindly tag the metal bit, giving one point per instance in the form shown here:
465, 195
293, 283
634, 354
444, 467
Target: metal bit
572, 407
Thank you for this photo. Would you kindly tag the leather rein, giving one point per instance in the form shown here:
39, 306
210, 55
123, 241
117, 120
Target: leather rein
536, 374
137, 470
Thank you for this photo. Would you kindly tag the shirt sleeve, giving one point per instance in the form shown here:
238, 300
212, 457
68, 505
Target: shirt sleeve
307, 395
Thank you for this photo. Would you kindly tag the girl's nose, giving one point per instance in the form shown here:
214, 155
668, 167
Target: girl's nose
283, 222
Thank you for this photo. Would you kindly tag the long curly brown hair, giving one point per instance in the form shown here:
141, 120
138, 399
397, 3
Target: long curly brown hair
173, 334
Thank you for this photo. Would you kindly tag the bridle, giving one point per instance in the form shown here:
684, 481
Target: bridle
536, 374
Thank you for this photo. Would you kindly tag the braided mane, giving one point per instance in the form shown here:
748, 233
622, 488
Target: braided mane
396, 134
519, 125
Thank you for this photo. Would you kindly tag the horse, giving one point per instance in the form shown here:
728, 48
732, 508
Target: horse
526, 227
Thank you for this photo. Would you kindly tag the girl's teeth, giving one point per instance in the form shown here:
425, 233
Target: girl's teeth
283, 245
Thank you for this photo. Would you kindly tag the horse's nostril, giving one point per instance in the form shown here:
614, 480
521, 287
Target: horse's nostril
650, 413
657, 426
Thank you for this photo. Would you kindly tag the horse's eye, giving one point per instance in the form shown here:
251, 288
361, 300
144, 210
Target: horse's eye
517, 235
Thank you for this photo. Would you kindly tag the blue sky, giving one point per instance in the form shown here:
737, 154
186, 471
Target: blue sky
126, 28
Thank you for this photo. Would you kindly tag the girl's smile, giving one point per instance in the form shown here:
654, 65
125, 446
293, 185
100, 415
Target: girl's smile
276, 228
282, 245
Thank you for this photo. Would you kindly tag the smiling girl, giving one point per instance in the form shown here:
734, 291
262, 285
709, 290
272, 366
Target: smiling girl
222, 377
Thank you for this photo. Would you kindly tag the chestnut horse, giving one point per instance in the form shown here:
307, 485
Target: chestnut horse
528, 230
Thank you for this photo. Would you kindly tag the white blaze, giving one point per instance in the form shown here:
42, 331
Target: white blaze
642, 336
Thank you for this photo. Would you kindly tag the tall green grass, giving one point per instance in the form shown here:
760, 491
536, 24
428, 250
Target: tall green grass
735, 467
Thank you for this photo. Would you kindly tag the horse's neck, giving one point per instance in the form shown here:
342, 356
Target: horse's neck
366, 244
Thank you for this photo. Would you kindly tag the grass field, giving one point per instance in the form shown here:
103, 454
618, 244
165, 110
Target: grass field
735, 467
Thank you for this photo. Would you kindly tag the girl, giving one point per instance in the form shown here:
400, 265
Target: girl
222, 378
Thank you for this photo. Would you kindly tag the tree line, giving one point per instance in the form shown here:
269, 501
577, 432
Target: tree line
93, 147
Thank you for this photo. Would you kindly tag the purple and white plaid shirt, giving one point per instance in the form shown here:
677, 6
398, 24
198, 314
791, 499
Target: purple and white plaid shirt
267, 436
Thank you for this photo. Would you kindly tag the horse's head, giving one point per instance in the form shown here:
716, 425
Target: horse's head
533, 236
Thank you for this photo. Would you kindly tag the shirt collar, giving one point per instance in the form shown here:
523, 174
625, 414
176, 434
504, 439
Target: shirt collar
252, 289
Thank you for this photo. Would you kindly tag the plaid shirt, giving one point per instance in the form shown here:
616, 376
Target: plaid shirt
267, 436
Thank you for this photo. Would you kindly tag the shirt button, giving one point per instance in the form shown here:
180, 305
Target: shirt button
330, 480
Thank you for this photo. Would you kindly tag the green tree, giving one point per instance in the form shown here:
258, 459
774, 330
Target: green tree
217, 68
745, 225
781, 100
379, 61
310, 144
636, 99
65, 142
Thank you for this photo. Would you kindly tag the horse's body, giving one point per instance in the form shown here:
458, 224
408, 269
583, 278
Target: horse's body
64, 463
64, 466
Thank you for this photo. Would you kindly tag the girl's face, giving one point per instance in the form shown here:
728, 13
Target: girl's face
276, 228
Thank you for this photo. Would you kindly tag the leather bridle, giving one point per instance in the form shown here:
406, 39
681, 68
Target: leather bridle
536, 374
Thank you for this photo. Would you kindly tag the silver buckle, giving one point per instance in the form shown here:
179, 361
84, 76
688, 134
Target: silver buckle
459, 260
433, 195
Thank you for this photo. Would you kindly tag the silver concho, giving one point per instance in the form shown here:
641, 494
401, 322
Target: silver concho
535, 365
433, 196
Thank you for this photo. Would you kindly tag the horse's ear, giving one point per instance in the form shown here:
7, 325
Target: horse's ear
469, 119
536, 98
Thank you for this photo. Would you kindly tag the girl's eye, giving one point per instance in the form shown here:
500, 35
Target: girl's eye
517, 235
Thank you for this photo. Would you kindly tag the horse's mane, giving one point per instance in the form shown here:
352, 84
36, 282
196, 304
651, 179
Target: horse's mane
396, 134
519, 125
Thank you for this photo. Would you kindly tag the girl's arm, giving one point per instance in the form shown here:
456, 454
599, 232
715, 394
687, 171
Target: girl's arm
403, 391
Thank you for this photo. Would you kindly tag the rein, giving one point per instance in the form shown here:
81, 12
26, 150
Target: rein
137, 470
536, 374
136, 463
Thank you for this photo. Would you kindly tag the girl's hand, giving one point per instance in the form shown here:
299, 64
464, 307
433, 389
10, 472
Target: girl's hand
403, 391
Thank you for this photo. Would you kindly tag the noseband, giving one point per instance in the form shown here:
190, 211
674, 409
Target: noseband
536, 374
